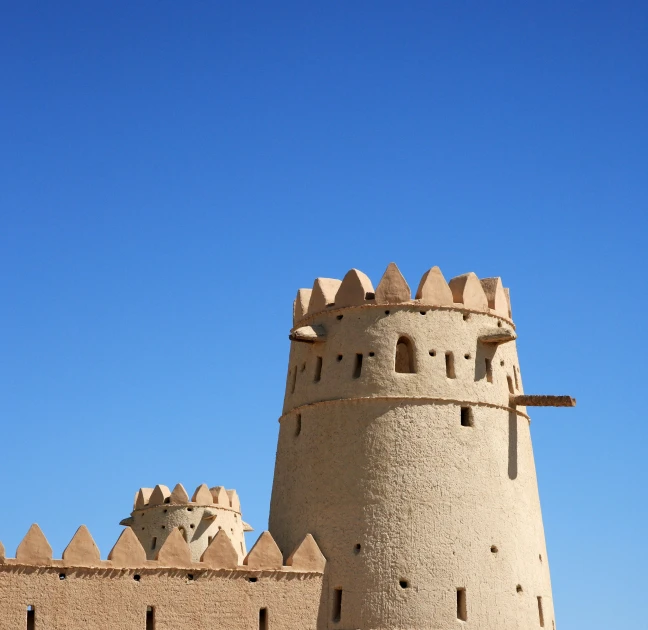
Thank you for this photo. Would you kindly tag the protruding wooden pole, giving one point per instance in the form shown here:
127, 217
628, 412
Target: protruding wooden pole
308, 334
534, 400
498, 336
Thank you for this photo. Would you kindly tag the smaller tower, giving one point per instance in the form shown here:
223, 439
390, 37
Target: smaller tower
158, 511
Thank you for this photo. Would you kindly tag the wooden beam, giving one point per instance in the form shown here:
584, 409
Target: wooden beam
308, 334
498, 336
534, 400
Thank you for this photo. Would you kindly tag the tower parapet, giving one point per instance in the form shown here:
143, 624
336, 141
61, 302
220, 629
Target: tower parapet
159, 511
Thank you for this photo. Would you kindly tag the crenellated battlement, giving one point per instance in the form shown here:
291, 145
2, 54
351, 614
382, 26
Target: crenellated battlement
218, 591
203, 495
127, 553
465, 292
454, 341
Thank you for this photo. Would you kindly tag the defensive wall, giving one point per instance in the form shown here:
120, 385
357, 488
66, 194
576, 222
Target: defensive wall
127, 591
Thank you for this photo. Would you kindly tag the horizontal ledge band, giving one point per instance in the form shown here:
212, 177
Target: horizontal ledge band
305, 321
422, 399
10, 565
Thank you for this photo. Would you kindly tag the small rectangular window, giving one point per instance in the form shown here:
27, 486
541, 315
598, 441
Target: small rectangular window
540, 612
150, 618
509, 380
337, 604
489, 370
462, 609
466, 417
357, 368
298, 425
449, 361
263, 619
31, 618
318, 369
153, 542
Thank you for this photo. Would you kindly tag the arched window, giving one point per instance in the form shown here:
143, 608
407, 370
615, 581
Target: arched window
404, 362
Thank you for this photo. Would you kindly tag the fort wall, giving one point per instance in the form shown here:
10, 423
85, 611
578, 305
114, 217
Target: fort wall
128, 592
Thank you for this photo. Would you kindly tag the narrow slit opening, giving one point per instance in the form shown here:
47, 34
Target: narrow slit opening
462, 611
263, 619
31, 618
293, 381
154, 542
298, 425
449, 361
509, 380
337, 604
150, 618
489, 370
466, 417
404, 360
357, 369
515, 375
318, 370
540, 612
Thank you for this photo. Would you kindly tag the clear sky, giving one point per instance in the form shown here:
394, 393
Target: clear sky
171, 172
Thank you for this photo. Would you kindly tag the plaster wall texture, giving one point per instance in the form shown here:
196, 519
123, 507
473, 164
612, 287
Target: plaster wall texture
408, 505
110, 599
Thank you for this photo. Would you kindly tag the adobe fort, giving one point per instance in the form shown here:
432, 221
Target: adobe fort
404, 497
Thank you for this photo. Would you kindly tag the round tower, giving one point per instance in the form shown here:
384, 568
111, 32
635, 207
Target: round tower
158, 511
405, 450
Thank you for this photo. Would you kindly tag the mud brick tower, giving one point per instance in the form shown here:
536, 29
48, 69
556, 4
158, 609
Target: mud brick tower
405, 450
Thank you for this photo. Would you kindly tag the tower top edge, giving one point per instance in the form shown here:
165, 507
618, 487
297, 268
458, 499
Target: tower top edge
466, 293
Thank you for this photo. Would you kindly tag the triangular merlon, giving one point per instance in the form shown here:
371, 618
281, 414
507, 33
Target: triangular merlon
82, 549
307, 556
356, 289
265, 554
393, 288
175, 551
128, 551
220, 554
34, 548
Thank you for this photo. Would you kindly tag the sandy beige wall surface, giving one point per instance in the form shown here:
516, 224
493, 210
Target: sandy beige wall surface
89, 599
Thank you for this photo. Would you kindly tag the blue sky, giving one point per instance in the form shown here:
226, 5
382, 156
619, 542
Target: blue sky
171, 173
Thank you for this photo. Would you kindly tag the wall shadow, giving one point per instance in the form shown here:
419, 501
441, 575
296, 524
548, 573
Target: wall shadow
513, 445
